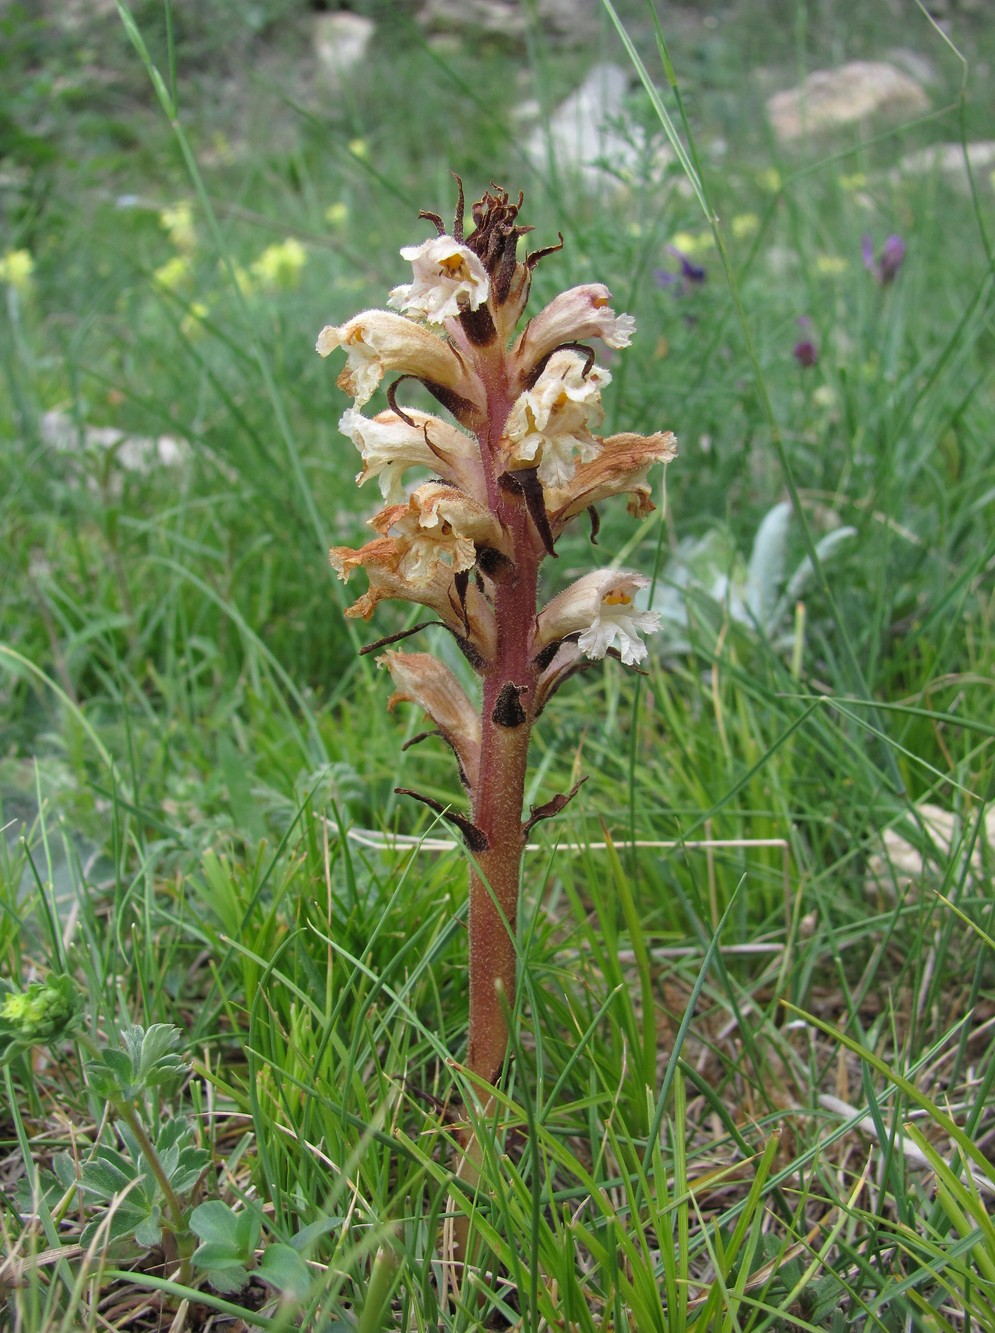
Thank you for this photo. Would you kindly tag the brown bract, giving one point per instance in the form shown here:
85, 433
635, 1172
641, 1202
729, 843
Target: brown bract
620, 468
422, 679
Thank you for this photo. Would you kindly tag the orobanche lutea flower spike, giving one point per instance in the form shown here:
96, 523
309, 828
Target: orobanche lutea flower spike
520, 457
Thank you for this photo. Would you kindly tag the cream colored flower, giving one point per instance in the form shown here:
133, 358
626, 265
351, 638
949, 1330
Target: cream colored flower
550, 425
439, 525
448, 279
422, 679
173, 273
377, 341
573, 316
389, 446
600, 608
192, 323
468, 613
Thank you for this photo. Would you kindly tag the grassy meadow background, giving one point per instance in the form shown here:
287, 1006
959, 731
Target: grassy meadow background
753, 1083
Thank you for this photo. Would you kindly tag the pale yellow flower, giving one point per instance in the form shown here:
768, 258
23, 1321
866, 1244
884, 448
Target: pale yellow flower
770, 179
744, 224
856, 181
191, 325
439, 525
390, 445
173, 273
550, 425
572, 317
620, 468
376, 341
693, 244
600, 606
16, 270
359, 148
830, 266
337, 214
177, 220
279, 266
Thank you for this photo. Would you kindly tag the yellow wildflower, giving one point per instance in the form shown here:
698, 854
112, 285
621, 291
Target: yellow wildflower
173, 273
16, 268
830, 266
191, 326
279, 266
744, 224
693, 244
337, 214
178, 222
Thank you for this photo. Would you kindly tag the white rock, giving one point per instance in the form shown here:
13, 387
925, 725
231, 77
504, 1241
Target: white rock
570, 22
341, 41
832, 97
905, 862
947, 160
589, 128
132, 453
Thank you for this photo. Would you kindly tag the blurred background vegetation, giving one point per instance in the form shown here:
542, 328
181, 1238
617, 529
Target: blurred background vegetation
186, 731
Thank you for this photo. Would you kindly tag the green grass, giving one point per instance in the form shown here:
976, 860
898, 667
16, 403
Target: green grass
726, 1055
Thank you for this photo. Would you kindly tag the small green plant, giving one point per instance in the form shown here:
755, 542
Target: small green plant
228, 1243
142, 1186
146, 1185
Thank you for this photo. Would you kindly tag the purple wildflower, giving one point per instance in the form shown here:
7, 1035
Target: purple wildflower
690, 271
884, 267
691, 274
806, 350
806, 353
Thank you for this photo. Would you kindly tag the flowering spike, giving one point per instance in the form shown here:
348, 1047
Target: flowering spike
522, 459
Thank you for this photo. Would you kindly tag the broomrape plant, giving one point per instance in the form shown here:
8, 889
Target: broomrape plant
519, 460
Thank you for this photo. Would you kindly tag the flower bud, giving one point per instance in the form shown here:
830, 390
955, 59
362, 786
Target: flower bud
424, 680
39, 1015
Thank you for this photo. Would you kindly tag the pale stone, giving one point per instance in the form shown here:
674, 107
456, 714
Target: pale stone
132, 453
947, 160
833, 97
589, 136
341, 42
905, 863
570, 22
